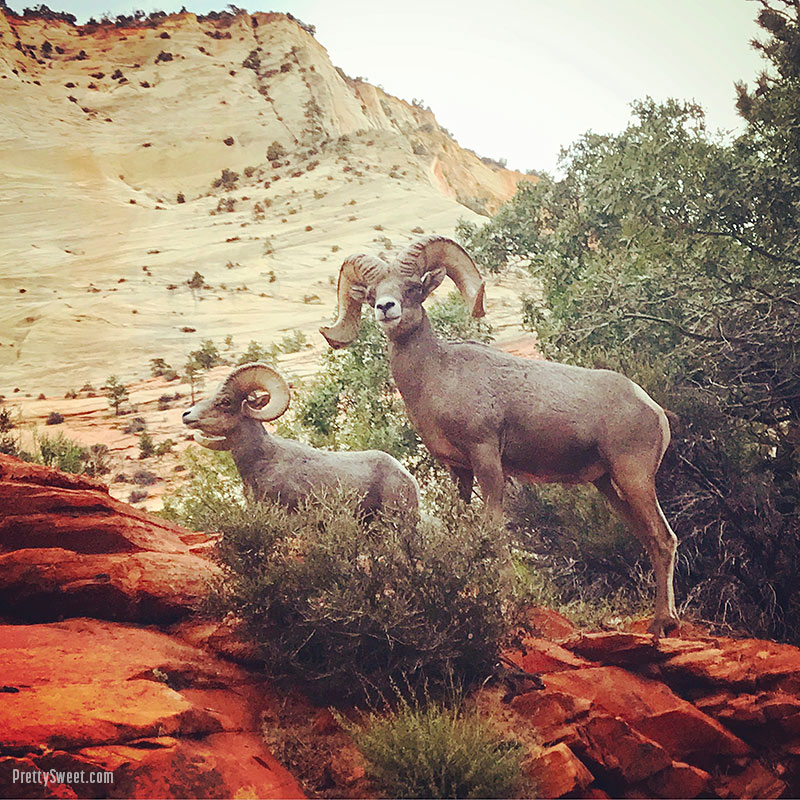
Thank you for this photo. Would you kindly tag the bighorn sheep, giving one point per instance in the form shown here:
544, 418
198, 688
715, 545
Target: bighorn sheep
283, 469
488, 414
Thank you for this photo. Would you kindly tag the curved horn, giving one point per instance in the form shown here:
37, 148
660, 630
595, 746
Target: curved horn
438, 254
356, 275
250, 377
212, 444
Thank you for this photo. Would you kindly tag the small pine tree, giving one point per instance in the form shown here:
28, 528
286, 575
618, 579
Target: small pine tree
116, 393
193, 374
158, 366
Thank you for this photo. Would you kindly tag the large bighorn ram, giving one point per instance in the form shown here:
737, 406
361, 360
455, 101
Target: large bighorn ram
488, 414
286, 470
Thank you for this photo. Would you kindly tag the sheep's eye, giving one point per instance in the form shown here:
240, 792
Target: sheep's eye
225, 402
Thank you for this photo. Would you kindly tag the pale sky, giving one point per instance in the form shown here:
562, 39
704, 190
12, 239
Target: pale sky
519, 79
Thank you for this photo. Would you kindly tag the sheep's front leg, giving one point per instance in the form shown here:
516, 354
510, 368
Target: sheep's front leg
463, 479
488, 470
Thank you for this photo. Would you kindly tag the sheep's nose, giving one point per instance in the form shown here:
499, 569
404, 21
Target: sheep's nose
385, 306
185, 414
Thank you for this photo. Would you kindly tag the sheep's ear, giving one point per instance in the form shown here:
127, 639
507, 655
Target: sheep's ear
432, 279
358, 293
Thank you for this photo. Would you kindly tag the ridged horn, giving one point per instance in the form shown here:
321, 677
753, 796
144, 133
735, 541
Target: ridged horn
438, 253
356, 275
251, 377
220, 443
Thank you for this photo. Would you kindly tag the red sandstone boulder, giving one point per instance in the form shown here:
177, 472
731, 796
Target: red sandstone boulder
165, 718
68, 549
541, 655
679, 781
46, 584
651, 708
42, 507
558, 772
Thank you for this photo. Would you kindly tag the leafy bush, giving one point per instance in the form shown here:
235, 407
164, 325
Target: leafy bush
162, 448
257, 352
146, 445
60, 453
96, 462
136, 425
214, 487
438, 751
292, 342
54, 418
207, 356
143, 477
349, 605
138, 495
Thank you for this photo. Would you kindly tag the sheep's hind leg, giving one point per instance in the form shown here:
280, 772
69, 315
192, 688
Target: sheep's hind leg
463, 479
638, 506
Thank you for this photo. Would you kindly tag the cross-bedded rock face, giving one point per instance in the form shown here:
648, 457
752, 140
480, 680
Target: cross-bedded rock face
68, 549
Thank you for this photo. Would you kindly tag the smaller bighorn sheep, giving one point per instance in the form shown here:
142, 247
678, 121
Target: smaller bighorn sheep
286, 470
488, 415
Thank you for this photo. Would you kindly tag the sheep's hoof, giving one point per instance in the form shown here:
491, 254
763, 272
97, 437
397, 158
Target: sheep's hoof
662, 626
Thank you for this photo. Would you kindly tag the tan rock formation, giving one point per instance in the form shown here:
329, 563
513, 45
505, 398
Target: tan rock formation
116, 139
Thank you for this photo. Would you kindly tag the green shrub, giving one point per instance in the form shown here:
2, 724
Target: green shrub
162, 448
60, 452
257, 352
213, 490
207, 356
54, 418
158, 366
292, 342
349, 605
436, 750
146, 445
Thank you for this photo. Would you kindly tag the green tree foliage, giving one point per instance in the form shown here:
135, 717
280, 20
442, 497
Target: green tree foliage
158, 366
116, 393
147, 447
674, 256
207, 356
193, 373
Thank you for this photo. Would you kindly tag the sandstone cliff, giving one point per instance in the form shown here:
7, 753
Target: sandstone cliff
114, 137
